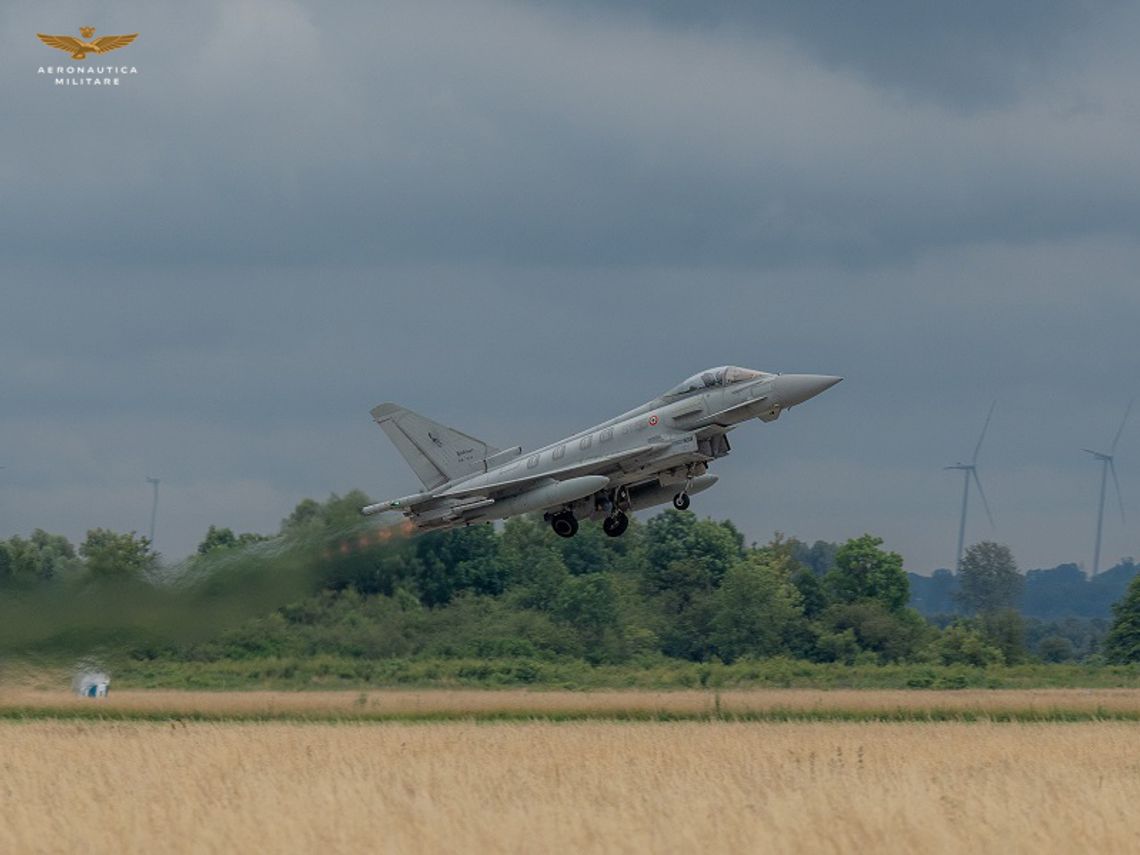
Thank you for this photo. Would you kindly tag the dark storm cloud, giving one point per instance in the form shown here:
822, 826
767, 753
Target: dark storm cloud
971, 55
521, 219
499, 132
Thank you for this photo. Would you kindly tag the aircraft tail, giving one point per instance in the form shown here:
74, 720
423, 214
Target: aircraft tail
436, 453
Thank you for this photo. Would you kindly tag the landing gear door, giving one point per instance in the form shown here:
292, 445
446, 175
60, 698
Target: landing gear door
714, 446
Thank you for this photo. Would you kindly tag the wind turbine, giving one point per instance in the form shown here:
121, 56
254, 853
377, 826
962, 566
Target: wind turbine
153, 509
1106, 466
970, 470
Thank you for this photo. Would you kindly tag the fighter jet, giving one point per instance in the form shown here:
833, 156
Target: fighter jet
653, 454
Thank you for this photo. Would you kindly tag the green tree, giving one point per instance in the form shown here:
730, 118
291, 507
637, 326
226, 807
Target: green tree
589, 551
343, 512
1055, 648
812, 592
373, 569
685, 631
217, 538
1123, 641
894, 635
542, 583
678, 536
686, 555
962, 644
864, 572
455, 560
335, 514
306, 514
224, 538
524, 540
588, 603
989, 580
837, 647
1005, 630
819, 558
39, 558
111, 555
756, 609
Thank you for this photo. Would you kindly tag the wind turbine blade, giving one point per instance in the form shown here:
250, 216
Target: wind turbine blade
1116, 481
985, 427
1120, 430
982, 493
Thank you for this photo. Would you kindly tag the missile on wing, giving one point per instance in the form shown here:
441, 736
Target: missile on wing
395, 504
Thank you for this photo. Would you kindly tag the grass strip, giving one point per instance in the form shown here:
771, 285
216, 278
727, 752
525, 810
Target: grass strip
776, 714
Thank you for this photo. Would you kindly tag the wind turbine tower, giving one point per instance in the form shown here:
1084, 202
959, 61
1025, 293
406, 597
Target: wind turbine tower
153, 509
970, 470
1107, 465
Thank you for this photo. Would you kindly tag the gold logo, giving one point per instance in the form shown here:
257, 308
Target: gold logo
79, 49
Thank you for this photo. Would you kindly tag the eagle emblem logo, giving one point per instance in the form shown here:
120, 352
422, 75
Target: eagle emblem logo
79, 49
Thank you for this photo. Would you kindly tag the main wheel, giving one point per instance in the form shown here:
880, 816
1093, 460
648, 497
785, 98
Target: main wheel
564, 524
616, 525
681, 501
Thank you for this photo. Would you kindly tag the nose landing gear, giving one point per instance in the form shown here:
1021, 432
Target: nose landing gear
681, 501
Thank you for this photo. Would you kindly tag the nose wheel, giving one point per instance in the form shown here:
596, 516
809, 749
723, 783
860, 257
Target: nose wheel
564, 524
681, 501
615, 525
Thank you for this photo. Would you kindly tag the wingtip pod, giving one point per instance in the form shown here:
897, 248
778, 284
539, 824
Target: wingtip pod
385, 411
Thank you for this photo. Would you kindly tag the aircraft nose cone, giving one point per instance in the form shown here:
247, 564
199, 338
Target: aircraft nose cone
794, 389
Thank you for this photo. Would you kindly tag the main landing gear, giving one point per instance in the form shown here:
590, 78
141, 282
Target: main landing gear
681, 501
565, 524
616, 524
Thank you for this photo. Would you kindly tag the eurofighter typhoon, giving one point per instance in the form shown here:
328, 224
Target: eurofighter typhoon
653, 454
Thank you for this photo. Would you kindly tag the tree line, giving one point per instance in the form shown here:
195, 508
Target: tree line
675, 586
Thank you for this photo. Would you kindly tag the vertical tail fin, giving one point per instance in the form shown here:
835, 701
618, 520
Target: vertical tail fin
435, 452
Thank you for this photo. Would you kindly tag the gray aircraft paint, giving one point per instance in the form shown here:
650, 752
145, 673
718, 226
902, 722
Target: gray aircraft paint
647, 456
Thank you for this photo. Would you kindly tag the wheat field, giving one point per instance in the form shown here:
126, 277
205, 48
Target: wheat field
568, 787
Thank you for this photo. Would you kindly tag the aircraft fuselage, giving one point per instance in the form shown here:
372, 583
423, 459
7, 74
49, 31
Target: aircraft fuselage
654, 452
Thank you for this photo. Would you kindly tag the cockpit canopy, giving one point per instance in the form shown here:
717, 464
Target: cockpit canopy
713, 377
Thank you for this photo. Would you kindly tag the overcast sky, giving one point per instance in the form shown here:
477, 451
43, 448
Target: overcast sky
521, 219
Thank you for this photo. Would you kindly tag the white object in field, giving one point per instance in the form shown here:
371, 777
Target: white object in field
92, 684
